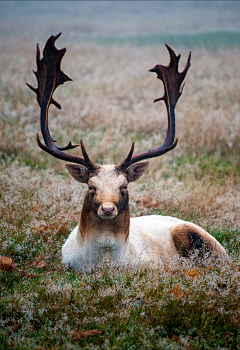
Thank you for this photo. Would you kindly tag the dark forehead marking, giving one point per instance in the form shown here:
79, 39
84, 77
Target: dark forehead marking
94, 172
120, 172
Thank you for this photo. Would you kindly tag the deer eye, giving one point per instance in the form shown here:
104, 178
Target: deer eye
91, 189
124, 188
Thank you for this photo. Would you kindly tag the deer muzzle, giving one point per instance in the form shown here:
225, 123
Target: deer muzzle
107, 211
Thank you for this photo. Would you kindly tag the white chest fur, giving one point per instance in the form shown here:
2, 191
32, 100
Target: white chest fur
84, 255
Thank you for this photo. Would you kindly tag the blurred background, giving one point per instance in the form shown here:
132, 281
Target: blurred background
139, 21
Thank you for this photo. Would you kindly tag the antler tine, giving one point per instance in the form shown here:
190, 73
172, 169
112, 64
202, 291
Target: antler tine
173, 86
49, 76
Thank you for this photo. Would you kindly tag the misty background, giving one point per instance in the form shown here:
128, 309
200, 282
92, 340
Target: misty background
138, 22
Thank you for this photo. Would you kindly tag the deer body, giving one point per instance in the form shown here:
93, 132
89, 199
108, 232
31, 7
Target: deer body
105, 229
152, 239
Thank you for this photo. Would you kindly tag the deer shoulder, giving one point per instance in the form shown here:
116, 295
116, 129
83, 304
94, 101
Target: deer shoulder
105, 229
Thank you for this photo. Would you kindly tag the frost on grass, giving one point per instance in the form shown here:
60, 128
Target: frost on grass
147, 305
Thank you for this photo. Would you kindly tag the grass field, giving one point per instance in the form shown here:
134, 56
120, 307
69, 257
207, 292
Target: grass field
44, 305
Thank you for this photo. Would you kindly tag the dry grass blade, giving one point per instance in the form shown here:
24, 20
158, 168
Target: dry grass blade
37, 264
83, 335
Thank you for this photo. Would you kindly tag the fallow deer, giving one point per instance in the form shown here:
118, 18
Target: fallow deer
105, 228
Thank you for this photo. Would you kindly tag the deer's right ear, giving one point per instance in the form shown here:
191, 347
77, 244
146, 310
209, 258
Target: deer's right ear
78, 172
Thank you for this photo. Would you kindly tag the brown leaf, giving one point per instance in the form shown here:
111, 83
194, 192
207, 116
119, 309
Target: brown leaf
43, 229
16, 327
177, 292
7, 264
145, 201
157, 204
176, 338
83, 335
192, 273
40, 229
47, 239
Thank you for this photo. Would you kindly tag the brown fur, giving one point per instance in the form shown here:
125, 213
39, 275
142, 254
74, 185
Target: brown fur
91, 224
189, 238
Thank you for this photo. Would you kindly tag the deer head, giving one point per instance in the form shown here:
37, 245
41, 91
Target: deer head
107, 195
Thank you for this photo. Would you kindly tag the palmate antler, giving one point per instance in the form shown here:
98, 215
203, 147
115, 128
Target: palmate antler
173, 87
50, 76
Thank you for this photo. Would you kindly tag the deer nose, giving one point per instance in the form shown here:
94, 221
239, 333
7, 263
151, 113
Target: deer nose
108, 211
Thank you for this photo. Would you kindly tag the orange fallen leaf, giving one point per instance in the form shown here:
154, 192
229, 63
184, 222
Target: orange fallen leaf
192, 273
145, 201
47, 239
43, 228
175, 338
177, 292
156, 204
83, 335
7, 264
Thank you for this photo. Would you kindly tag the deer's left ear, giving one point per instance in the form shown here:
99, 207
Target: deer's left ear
135, 171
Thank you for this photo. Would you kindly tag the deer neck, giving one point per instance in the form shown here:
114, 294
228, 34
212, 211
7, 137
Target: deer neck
103, 237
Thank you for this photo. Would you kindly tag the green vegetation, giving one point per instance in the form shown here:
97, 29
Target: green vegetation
208, 40
214, 167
